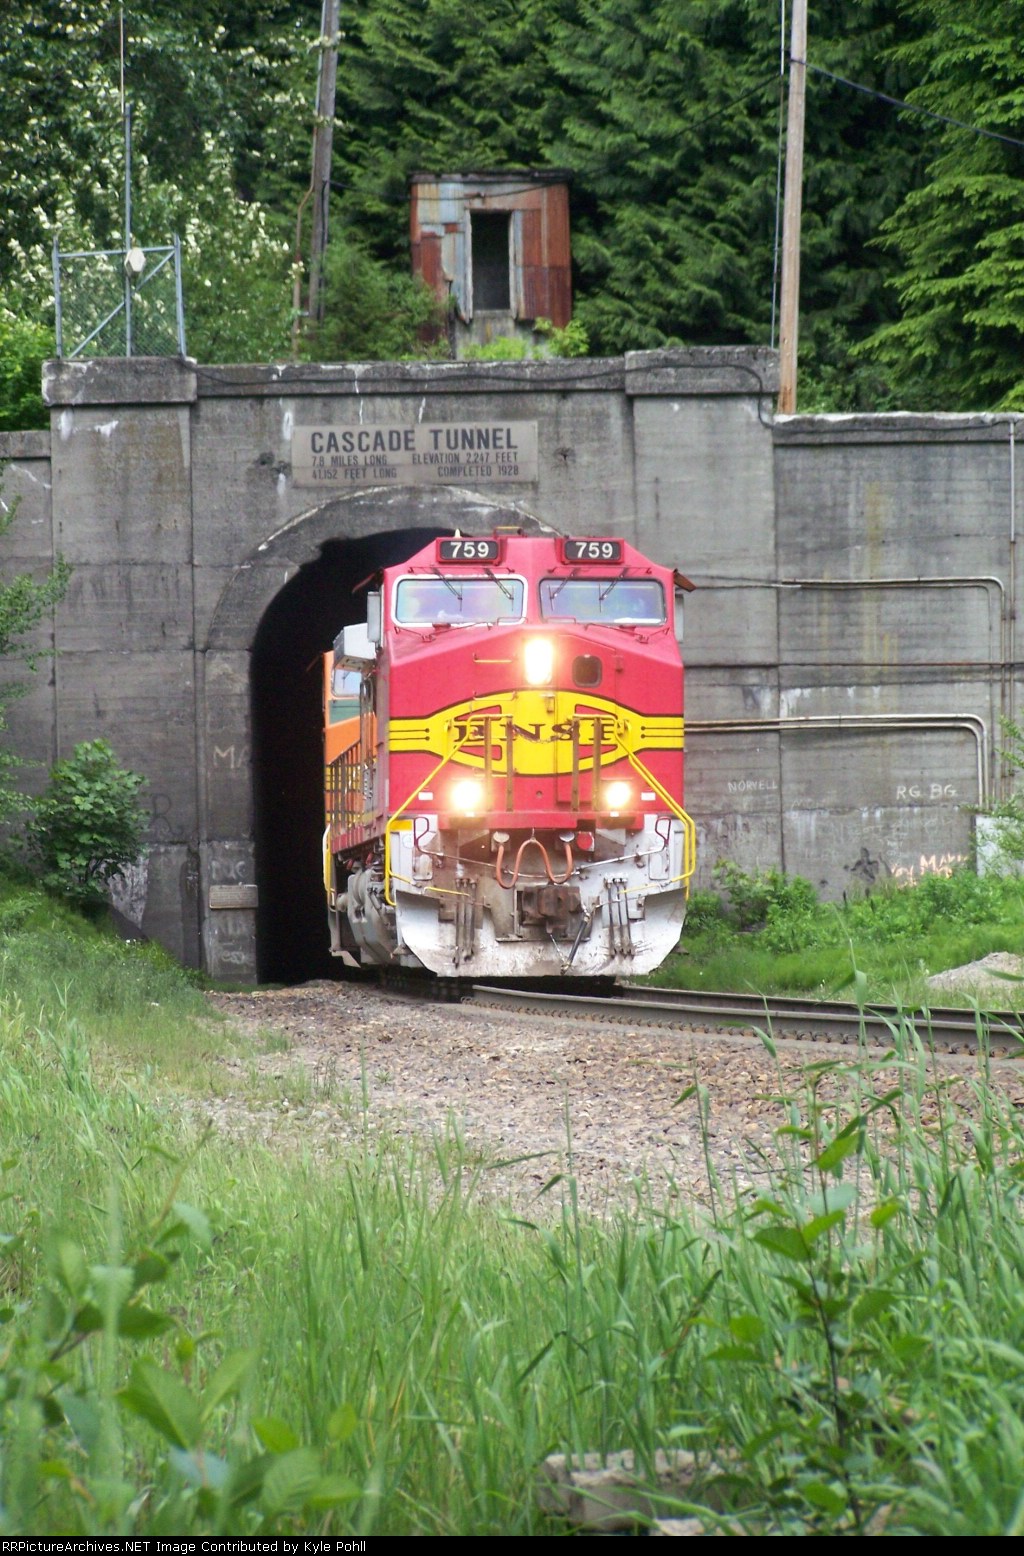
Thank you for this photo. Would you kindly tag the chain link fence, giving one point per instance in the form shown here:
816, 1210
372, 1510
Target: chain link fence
119, 303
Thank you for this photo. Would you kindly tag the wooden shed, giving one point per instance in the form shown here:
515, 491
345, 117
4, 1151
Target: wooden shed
496, 243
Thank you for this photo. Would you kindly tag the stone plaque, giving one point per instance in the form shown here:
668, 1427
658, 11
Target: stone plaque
234, 897
414, 453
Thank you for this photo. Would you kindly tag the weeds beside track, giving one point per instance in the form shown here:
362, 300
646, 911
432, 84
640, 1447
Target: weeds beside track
199, 1337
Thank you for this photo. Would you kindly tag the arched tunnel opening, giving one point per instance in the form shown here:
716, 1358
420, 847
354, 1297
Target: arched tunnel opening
298, 626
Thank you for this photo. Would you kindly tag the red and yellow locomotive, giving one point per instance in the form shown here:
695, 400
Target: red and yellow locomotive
510, 803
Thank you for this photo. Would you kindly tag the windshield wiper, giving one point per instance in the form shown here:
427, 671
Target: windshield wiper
448, 584
506, 591
553, 596
611, 585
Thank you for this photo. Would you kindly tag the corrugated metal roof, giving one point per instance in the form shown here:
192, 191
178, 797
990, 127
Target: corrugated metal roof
523, 175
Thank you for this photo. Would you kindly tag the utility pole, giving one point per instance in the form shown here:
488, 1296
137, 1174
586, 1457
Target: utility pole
323, 144
789, 309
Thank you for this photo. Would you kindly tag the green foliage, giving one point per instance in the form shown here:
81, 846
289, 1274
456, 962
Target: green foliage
669, 120
569, 341
667, 116
705, 911
24, 602
374, 312
88, 825
503, 348
755, 899
202, 159
771, 933
957, 235
784, 909
24, 347
855, 1282
962, 898
235, 264
64, 1420
201, 1338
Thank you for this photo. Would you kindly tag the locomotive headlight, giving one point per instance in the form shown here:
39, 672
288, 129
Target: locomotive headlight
538, 660
467, 796
618, 796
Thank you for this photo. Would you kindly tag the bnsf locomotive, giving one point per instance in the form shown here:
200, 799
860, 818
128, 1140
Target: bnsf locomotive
504, 760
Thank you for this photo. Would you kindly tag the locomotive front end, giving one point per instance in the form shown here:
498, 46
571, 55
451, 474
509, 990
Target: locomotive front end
529, 704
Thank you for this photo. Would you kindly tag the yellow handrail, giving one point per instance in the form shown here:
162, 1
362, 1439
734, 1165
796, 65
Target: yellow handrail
689, 830
393, 819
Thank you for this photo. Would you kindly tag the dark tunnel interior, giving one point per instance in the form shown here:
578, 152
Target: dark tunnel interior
298, 626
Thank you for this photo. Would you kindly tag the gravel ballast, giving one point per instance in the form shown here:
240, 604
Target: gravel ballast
531, 1097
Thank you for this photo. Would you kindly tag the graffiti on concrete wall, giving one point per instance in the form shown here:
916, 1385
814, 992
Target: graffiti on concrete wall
928, 864
871, 869
233, 757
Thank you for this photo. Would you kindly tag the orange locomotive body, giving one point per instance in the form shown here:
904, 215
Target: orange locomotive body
505, 786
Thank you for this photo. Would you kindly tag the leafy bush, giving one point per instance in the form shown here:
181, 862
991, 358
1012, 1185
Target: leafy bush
24, 347
88, 825
754, 898
569, 341
704, 911
769, 932
962, 898
374, 312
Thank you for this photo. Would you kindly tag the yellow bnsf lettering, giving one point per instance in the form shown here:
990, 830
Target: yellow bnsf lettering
544, 727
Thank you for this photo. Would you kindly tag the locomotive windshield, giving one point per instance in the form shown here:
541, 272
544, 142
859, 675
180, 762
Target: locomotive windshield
610, 601
458, 600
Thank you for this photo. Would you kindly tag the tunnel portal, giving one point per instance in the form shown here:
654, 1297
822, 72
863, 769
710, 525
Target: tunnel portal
299, 625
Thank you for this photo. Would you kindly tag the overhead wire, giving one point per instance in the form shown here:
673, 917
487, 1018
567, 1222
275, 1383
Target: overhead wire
899, 102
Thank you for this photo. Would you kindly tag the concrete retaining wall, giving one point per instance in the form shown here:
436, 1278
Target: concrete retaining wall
850, 647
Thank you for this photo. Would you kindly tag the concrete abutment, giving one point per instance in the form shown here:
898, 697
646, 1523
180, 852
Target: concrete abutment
850, 646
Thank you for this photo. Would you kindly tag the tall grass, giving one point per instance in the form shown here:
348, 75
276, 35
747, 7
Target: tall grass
133, 997
197, 1338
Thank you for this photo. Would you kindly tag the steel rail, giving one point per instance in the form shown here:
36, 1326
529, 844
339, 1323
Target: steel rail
951, 1029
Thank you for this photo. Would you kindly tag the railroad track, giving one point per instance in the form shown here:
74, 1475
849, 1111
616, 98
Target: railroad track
946, 1028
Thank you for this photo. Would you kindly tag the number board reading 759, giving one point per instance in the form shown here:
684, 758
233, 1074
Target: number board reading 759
591, 550
469, 550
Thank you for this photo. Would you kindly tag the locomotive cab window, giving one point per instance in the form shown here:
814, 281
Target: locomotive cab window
607, 601
345, 686
458, 600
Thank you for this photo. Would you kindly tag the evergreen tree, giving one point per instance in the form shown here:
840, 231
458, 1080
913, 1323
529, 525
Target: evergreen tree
436, 86
959, 235
671, 125
666, 112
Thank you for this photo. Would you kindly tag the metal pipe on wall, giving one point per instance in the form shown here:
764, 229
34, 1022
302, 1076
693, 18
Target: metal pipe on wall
868, 723
952, 581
